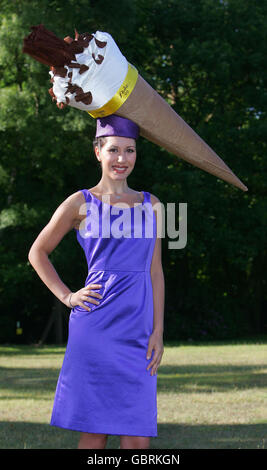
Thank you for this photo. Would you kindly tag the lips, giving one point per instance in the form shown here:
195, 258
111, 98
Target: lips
119, 169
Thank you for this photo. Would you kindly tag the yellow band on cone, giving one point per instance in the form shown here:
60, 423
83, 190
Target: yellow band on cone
120, 96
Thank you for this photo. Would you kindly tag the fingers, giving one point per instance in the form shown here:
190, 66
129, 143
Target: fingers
93, 286
88, 295
155, 361
85, 306
89, 289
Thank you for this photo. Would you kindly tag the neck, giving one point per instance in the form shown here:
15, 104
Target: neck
113, 187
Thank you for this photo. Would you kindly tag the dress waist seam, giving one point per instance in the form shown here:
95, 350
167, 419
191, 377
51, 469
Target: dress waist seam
119, 270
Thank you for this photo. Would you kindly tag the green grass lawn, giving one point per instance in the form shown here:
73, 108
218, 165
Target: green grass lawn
209, 397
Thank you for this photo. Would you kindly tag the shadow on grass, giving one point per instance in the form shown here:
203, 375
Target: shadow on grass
29, 350
28, 382
210, 378
36, 382
19, 435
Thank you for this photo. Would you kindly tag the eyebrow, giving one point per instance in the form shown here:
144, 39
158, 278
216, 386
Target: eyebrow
116, 146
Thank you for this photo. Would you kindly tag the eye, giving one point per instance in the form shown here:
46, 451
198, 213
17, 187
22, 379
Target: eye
131, 150
112, 150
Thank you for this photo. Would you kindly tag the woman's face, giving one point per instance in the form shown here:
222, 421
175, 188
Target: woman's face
117, 156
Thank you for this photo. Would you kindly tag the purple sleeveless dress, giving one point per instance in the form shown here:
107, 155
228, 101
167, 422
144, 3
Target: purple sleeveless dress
103, 386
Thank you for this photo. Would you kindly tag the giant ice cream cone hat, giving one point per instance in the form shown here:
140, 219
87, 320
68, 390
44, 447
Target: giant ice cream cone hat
90, 73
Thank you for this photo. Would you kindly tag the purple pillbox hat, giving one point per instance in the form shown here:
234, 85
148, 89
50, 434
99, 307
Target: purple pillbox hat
117, 126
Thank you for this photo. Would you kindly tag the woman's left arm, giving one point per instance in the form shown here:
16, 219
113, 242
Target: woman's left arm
158, 285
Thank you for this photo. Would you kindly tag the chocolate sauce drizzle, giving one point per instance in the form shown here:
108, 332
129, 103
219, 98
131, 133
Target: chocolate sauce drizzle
44, 46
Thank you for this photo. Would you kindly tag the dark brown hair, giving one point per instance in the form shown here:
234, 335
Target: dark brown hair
99, 142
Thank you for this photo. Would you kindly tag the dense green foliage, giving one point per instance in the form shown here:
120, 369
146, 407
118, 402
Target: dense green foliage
208, 59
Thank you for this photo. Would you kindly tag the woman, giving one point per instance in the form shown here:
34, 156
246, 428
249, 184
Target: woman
108, 381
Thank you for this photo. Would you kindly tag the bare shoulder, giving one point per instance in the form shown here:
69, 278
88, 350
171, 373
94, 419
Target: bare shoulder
71, 205
74, 200
154, 199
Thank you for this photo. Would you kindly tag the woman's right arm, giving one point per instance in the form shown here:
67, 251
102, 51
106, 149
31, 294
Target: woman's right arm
61, 222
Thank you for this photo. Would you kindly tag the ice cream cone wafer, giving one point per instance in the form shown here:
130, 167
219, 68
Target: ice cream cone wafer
160, 124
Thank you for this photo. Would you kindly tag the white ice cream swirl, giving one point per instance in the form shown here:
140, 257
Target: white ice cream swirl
103, 73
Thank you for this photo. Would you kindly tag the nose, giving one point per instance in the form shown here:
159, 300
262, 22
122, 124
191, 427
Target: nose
121, 157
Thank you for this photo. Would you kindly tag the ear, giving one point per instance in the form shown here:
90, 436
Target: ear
97, 151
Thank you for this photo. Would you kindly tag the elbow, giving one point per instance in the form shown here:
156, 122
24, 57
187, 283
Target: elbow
30, 255
33, 252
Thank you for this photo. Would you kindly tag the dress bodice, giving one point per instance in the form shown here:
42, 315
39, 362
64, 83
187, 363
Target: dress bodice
116, 238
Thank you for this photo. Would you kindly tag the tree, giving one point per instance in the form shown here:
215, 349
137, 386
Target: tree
207, 58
